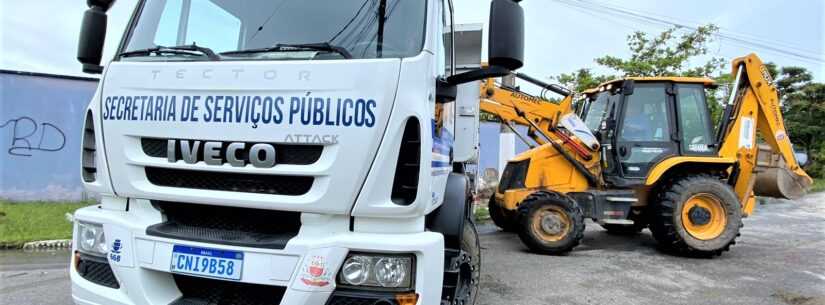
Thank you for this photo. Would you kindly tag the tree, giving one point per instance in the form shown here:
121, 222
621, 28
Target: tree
581, 80
667, 53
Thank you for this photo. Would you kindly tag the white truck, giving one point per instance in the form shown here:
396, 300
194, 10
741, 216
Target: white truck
281, 152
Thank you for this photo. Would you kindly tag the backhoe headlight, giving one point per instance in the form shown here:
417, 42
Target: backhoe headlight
378, 270
90, 239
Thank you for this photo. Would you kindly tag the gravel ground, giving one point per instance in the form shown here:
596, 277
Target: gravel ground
779, 259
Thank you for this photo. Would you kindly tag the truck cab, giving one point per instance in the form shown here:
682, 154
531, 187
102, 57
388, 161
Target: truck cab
280, 152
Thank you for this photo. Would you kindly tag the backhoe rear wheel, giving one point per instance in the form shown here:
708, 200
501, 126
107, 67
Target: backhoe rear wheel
500, 219
550, 223
696, 216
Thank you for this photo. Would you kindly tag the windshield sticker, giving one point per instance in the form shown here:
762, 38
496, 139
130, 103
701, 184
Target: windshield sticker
252, 110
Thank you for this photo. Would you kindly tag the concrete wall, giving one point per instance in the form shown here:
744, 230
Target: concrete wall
489, 140
41, 119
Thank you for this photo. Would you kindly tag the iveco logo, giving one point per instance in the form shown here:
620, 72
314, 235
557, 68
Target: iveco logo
237, 154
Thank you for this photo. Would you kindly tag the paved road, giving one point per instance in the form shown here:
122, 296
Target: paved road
779, 259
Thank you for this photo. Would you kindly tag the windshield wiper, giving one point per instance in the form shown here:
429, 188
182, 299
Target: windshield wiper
289, 47
183, 49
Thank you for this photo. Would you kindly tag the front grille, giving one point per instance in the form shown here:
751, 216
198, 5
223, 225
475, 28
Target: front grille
226, 225
201, 291
230, 182
284, 153
96, 270
345, 297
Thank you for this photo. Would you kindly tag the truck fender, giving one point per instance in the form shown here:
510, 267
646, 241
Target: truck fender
449, 218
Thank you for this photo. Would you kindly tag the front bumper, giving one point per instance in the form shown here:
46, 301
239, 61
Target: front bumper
142, 266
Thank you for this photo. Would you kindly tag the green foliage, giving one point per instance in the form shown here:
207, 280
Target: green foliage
666, 54
31, 221
804, 113
819, 186
581, 80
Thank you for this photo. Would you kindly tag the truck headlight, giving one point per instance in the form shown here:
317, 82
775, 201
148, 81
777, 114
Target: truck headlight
378, 270
90, 239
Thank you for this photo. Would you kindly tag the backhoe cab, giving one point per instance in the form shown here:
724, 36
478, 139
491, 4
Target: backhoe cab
660, 162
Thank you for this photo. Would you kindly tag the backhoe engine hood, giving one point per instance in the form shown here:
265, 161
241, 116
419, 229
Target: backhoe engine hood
288, 135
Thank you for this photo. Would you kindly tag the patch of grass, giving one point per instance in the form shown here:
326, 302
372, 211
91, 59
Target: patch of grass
30, 221
819, 185
481, 213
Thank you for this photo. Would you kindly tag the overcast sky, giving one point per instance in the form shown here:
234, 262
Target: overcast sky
41, 36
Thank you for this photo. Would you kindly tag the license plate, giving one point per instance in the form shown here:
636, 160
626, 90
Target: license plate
207, 262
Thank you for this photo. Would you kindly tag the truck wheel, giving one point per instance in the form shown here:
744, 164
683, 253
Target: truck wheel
461, 280
501, 220
697, 216
470, 272
550, 223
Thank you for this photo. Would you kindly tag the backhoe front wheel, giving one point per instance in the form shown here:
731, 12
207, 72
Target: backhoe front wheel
502, 220
550, 223
697, 216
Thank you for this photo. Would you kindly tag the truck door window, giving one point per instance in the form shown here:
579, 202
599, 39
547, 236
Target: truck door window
694, 120
445, 56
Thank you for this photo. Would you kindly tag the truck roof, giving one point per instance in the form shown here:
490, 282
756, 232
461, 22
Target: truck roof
676, 79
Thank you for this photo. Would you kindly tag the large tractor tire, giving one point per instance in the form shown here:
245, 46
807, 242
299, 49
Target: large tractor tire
550, 223
696, 216
500, 219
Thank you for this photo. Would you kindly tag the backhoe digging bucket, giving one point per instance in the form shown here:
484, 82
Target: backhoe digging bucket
775, 179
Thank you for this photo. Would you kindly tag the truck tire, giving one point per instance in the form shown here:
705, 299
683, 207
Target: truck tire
696, 216
463, 269
550, 223
471, 272
501, 220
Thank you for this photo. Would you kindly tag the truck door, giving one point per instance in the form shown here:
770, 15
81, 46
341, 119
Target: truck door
646, 133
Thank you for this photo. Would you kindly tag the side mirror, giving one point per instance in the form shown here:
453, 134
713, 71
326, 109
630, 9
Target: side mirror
93, 35
627, 87
506, 43
506, 40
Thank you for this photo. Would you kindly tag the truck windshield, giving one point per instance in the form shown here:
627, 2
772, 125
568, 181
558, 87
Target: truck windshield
277, 29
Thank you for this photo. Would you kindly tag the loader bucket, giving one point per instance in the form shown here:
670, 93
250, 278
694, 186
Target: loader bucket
775, 179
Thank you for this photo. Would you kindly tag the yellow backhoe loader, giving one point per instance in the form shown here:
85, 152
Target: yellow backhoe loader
646, 154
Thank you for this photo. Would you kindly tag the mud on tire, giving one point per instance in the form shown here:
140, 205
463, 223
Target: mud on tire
561, 209
667, 223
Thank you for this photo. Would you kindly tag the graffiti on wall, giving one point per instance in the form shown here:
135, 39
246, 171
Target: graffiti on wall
29, 136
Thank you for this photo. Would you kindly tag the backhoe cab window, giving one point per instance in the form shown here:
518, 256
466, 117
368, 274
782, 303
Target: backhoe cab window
645, 115
237, 25
596, 111
694, 119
